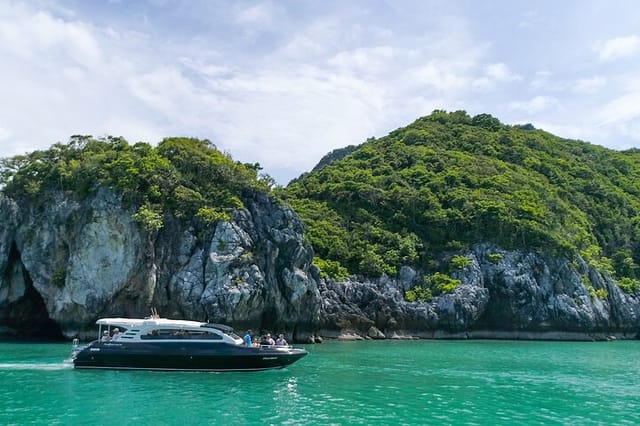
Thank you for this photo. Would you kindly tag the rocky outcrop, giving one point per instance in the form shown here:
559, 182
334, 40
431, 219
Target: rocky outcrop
371, 308
64, 263
504, 294
253, 272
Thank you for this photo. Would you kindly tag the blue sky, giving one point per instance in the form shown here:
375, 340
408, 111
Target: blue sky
284, 82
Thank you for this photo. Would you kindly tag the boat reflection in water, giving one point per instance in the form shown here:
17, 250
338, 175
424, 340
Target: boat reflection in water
177, 345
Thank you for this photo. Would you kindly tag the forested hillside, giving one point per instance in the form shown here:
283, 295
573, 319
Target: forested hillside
425, 192
186, 177
419, 196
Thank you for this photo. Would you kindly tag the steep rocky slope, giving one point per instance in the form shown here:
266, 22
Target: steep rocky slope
69, 262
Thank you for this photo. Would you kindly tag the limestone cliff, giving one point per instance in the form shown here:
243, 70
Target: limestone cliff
65, 263
523, 295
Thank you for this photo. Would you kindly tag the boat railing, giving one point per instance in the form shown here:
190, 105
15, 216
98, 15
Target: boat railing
278, 347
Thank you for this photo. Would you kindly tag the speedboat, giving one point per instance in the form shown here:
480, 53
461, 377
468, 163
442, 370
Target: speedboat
177, 345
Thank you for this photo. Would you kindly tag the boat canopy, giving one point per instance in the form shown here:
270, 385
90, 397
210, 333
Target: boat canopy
138, 322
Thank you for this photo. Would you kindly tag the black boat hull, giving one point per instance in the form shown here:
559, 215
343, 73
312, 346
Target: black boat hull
177, 356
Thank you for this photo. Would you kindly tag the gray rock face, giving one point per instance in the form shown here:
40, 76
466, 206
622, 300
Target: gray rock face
520, 295
357, 306
67, 263
530, 292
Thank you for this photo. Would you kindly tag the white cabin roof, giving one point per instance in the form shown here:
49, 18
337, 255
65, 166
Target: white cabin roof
139, 322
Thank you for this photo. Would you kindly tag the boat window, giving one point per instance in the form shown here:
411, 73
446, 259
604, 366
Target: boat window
225, 329
180, 334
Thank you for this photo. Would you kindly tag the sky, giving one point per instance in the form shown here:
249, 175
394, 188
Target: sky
282, 83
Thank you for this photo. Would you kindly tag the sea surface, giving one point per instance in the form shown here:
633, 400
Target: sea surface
368, 383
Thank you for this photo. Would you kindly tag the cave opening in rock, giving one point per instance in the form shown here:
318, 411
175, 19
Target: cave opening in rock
25, 313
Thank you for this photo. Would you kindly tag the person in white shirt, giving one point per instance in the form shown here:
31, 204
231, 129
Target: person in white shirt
116, 334
281, 341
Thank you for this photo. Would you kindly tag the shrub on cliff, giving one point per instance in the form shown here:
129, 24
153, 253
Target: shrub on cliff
434, 285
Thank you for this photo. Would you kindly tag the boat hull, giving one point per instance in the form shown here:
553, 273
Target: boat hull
176, 356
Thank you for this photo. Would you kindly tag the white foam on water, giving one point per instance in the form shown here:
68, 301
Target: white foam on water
35, 366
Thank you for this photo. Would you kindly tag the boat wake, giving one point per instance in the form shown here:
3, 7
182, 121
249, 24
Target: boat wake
35, 366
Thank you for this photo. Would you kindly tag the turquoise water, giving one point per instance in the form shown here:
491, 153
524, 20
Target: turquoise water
382, 382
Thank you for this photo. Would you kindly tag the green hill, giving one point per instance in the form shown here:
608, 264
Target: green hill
425, 192
419, 196
185, 177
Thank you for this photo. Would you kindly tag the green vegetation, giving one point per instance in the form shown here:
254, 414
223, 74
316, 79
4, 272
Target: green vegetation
435, 285
331, 269
629, 285
59, 277
460, 262
186, 177
428, 191
150, 219
442, 283
418, 294
600, 293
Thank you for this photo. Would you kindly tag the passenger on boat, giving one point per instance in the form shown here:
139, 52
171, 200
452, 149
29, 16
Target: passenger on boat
105, 336
116, 334
280, 341
267, 340
247, 338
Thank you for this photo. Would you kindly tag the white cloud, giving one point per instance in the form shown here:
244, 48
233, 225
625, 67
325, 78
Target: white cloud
41, 38
321, 90
621, 109
500, 72
530, 19
318, 40
493, 75
535, 104
294, 119
541, 80
441, 75
365, 60
261, 15
627, 135
618, 47
546, 81
282, 85
257, 20
162, 89
581, 130
589, 85
66, 77
4, 134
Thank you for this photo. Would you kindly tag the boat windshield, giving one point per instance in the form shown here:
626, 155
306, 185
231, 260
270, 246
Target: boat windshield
233, 335
223, 328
